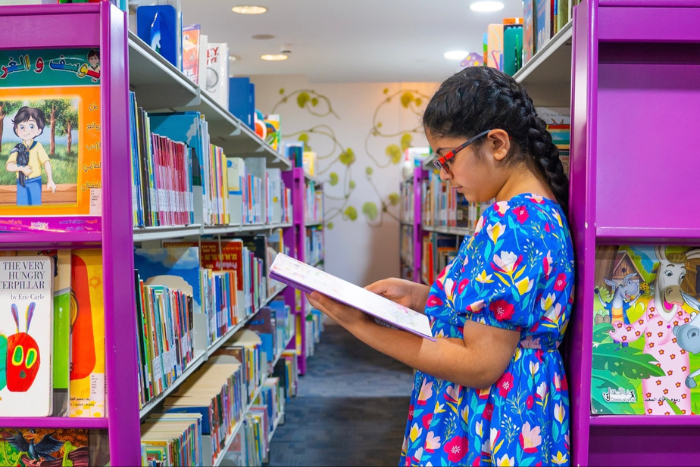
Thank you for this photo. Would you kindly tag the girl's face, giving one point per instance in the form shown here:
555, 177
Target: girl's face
479, 177
28, 130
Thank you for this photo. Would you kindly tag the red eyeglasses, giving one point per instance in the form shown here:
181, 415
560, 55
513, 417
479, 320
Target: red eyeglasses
441, 162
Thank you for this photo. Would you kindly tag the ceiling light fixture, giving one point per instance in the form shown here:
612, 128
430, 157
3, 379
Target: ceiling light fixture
249, 10
485, 7
274, 57
456, 54
262, 37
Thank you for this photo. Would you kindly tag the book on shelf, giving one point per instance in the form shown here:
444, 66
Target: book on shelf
43, 446
512, 47
314, 245
495, 46
308, 162
52, 178
190, 52
172, 439
315, 200
160, 26
87, 374
26, 345
543, 22
241, 100
246, 347
529, 35
293, 151
646, 349
216, 83
307, 279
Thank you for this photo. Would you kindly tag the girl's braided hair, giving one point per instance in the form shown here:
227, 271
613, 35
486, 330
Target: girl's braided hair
477, 99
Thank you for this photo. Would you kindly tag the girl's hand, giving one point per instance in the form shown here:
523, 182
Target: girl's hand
409, 294
350, 318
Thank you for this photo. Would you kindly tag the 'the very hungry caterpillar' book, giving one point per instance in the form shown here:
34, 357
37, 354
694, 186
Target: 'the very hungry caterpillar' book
87, 376
26, 325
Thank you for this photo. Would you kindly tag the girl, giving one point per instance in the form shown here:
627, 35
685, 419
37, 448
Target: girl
491, 389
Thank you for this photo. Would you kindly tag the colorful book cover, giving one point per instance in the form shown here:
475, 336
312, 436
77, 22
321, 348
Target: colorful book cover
87, 376
512, 48
190, 52
495, 46
157, 26
216, 82
26, 324
528, 31
543, 22
50, 141
28, 447
646, 339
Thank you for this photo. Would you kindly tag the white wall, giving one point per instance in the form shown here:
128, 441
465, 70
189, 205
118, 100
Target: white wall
361, 250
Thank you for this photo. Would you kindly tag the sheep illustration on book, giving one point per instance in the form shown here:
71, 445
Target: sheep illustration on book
25, 443
19, 354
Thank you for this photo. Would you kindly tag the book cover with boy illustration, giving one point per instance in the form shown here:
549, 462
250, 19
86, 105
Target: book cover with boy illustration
50, 140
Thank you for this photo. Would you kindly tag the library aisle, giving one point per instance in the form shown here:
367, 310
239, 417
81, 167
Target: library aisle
350, 409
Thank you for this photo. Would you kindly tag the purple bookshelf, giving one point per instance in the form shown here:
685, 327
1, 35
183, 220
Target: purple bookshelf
104, 26
635, 88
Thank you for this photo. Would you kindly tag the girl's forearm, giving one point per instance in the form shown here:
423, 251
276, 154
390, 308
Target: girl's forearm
446, 358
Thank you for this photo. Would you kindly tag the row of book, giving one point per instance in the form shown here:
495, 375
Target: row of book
314, 209
438, 251
233, 391
444, 207
314, 328
407, 201
314, 245
179, 178
55, 329
406, 244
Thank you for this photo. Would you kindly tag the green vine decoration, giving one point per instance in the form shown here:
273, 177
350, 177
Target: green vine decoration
307, 99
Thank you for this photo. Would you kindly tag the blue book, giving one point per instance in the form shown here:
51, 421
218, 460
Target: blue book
239, 100
176, 262
157, 26
264, 325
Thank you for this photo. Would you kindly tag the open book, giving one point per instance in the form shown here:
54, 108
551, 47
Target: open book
307, 279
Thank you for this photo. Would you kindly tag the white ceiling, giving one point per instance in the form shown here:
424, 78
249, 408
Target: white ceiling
348, 40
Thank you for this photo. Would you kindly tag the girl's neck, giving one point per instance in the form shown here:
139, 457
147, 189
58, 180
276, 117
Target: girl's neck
522, 180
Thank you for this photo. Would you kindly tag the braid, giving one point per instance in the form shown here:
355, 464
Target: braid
480, 98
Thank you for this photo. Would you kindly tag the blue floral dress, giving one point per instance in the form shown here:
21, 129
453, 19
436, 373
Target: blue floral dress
516, 273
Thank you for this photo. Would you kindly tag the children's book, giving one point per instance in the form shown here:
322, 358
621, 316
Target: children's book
495, 46
27, 447
159, 26
26, 331
190, 52
543, 22
50, 140
528, 31
216, 83
87, 375
307, 279
646, 334
176, 262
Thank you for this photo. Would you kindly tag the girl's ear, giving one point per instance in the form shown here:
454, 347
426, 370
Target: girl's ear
498, 142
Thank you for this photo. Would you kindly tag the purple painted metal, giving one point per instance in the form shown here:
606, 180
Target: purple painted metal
54, 422
50, 239
118, 259
627, 98
418, 176
69, 28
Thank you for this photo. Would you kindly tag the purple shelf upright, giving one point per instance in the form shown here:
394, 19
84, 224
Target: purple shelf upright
418, 176
95, 25
635, 76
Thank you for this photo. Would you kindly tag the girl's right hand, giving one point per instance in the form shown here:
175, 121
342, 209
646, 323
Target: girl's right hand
407, 293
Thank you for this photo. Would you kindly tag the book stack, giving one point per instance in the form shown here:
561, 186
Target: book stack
314, 203
314, 245
165, 320
407, 202
287, 369
246, 347
162, 175
314, 328
256, 194
172, 439
214, 392
272, 398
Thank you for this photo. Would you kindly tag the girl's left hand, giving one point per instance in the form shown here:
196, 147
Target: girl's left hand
348, 317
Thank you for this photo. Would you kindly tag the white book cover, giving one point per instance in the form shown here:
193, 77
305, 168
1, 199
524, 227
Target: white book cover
308, 278
216, 78
26, 336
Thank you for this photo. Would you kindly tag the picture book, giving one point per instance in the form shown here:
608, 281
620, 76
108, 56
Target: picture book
176, 262
50, 140
512, 48
543, 22
307, 279
216, 81
28, 447
159, 27
646, 344
87, 375
528, 31
26, 329
190, 52
495, 46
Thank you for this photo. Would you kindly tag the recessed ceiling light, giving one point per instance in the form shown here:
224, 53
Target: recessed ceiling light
486, 6
456, 54
274, 57
249, 9
233, 58
262, 37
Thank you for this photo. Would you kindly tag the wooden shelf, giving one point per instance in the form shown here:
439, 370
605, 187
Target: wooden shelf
547, 76
160, 87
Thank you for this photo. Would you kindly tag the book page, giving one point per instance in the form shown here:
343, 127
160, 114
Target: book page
299, 274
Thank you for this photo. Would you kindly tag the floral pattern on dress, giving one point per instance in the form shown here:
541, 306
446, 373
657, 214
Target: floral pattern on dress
516, 272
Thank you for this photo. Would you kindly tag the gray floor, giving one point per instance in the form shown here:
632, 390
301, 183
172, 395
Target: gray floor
351, 408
